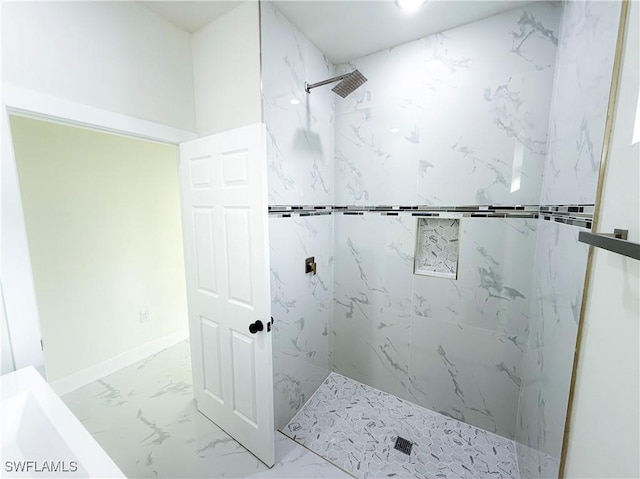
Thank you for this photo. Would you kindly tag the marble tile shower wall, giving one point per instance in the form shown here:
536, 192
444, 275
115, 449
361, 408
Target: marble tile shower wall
579, 105
556, 298
300, 146
302, 305
578, 113
456, 118
452, 346
300, 126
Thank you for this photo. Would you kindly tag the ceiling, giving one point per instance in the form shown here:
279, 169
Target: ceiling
344, 30
191, 15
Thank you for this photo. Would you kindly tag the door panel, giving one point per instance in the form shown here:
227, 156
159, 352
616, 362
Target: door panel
225, 221
205, 250
235, 168
212, 360
200, 173
238, 242
243, 377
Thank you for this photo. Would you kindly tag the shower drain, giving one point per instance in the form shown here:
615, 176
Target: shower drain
403, 445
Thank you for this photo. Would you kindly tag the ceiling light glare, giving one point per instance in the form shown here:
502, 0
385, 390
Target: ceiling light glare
409, 5
395, 130
294, 101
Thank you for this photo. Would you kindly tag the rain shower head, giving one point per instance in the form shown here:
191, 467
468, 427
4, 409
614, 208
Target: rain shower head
350, 82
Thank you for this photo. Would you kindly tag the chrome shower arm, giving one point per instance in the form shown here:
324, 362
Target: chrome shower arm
308, 87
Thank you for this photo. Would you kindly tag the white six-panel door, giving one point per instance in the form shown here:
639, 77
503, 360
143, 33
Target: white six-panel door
225, 221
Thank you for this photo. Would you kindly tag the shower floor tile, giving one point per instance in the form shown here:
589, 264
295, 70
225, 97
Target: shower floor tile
355, 427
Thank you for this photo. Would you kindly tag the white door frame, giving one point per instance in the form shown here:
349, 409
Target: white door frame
15, 263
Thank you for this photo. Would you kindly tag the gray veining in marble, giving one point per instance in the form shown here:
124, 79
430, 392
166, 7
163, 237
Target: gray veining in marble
371, 328
300, 126
467, 107
355, 426
460, 117
145, 418
586, 49
453, 346
401, 139
558, 282
300, 150
302, 305
579, 104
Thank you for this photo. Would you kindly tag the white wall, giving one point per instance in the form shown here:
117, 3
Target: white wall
110, 56
603, 435
6, 363
118, 56
102, 215
226, 70
101, 60
15, 265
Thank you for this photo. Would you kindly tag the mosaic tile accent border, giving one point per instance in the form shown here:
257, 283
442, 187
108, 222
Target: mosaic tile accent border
567, 220
289, 211
574, 215
582, 210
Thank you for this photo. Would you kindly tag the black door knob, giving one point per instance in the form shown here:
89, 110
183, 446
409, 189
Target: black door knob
255, 327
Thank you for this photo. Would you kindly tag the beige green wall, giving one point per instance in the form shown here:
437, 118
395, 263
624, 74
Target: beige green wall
102, 215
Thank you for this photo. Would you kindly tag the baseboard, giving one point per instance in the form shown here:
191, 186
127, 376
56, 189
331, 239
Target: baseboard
85, 376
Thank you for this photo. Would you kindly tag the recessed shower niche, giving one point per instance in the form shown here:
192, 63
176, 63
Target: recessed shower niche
437, 246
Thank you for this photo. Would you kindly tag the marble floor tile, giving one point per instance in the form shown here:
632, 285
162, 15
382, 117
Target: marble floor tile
296, 462
355, 427
145, 418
